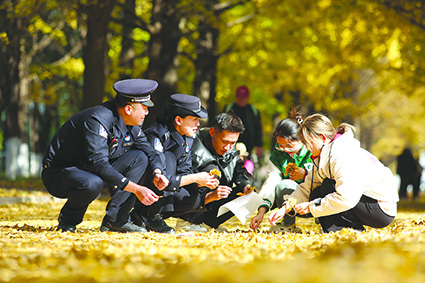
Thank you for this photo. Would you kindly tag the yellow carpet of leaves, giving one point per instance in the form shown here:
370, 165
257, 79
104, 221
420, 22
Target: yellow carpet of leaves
32, 251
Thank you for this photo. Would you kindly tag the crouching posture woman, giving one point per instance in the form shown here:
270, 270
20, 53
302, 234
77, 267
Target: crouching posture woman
348, 186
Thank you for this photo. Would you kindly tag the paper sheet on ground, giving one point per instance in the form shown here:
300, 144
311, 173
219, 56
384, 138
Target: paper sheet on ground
242, 207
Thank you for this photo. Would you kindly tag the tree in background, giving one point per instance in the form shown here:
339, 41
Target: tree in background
358, 61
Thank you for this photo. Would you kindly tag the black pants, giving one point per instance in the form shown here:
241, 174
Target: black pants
209, 216
409, 180
172, 203
366, 212
81, 187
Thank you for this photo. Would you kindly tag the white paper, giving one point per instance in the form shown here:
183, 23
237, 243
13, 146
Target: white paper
242, 207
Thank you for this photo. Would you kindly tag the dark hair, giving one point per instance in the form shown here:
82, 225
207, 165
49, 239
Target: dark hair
288, 127
121, 102
171, 112
228, 121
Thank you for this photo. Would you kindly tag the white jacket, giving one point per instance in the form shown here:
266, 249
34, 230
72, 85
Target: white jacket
356, 172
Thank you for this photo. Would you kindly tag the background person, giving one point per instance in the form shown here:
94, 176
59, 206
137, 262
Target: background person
348, 186
410, 172
288, 149
243, 154
104, 146
252, 136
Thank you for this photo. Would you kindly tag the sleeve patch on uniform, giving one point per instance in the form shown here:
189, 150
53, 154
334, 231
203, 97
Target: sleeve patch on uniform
158, 145
103, 132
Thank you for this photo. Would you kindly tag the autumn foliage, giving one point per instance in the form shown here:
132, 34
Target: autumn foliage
31, 250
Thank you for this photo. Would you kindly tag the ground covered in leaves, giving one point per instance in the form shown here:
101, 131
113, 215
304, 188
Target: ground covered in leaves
31, 250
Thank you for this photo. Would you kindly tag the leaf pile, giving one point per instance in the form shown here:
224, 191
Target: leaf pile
31, 250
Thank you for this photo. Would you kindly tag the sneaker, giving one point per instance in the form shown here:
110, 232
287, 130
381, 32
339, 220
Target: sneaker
190, 227
127, 227
280, 228
157, 224
66, 228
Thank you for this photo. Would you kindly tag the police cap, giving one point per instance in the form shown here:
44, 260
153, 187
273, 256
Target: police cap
190, 103
136, 90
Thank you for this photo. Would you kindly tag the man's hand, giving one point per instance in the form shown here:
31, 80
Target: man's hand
223, 192
160, 181
144, 194
204, 179
219, 193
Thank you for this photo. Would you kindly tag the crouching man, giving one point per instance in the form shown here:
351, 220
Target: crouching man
214, 148
104, 146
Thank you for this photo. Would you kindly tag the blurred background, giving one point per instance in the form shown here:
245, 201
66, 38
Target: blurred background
361, 62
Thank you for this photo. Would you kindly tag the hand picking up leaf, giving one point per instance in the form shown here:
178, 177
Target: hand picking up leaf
290, 167
248, 191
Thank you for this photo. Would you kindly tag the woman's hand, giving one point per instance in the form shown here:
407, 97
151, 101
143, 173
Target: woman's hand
297, 174
277, 215
302, 208
160, 181
256, 221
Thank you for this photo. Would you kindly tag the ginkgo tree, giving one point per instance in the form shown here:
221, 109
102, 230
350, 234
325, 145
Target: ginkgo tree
336, 57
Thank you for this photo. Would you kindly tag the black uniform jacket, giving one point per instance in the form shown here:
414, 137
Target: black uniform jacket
165, 138
93, 138
204, 158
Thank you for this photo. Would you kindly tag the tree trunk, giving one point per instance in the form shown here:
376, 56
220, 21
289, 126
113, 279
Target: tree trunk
10, 55
205, 82
163, 54
127, 46
94, 51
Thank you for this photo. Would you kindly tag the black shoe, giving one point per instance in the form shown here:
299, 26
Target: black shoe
136, 219
66, 228
127, 227
157, 224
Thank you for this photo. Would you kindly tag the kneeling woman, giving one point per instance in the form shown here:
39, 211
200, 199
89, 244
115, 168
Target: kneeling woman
348, 186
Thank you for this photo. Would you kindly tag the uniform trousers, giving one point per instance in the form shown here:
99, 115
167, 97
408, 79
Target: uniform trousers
171, 203
81, 187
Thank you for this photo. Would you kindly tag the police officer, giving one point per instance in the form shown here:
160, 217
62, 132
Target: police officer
104, 146
172, 138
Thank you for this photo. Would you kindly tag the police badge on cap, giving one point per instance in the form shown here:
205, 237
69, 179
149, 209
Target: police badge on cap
136, 90
190, 103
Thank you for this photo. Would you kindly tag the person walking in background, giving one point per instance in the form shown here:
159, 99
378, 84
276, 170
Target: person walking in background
252, 137
348, 186
104, 146
279, 182
410, 172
